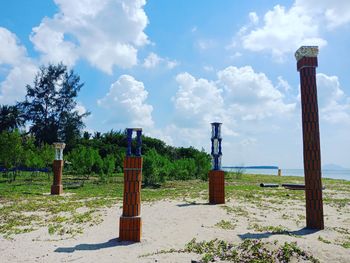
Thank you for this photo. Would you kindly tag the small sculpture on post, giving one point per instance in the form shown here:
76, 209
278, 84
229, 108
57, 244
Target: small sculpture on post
57, 187
216, 175
216, 145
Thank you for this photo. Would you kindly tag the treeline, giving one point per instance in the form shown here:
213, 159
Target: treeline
102, 155
50, 113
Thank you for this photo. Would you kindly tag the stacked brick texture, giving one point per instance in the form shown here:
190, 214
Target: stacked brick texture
57, 187
311, 143
216, 187
130, 226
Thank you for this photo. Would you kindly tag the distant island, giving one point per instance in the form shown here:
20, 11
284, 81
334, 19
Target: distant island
250, 167
333, 167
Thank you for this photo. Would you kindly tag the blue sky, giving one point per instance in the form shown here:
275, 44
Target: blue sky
174, 66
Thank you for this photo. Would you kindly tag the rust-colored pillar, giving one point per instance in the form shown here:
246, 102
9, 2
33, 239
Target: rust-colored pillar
130, 225
306, 64
216, 187
216, 175
57, 187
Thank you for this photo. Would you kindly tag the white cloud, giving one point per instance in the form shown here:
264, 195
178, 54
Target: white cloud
153, 60
251, 95
107, 33
253, 17
333, 103
283, 84
197, 101
126, 103
13, 88
239, 97
172, 64
283, 31
80, 108
21, 69
336, 12
11, 52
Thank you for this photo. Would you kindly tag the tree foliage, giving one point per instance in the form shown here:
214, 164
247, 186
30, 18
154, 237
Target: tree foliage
50, 105
11, 118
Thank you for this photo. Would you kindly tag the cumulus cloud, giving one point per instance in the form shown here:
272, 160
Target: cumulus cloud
197, 100
11, 52
252, 95
153, 60
238, 97
283, 31
106, 33
335, 13
334, 104
126, 103
21, 69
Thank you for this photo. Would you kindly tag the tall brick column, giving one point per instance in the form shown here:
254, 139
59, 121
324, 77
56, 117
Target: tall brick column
216, 175
306, 64
130, 225
57, 187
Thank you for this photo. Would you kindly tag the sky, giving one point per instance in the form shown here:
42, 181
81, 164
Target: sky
173, 67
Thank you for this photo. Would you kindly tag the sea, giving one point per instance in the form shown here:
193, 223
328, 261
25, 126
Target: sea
334, 174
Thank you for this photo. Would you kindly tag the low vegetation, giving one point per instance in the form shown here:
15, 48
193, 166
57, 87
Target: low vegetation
247, 251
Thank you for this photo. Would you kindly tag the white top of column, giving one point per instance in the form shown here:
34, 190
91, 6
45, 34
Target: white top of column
306, 51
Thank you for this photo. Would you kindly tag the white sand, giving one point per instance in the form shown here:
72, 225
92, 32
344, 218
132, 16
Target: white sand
171, 224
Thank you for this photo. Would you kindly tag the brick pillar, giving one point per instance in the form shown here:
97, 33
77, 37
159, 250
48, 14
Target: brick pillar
130, 225
216, 187
56, 187
306, 64
130, 222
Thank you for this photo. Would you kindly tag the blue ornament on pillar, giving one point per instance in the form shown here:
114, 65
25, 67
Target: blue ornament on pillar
129, 132
216, 145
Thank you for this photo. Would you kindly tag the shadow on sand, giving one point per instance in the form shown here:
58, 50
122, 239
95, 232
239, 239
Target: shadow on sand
191, 204
115, 242
300, 232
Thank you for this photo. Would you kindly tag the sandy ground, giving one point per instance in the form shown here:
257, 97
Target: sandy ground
172, 224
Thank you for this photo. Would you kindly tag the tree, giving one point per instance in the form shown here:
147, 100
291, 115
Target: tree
11, 150
11, 118
85, 160
51, 107
156, 168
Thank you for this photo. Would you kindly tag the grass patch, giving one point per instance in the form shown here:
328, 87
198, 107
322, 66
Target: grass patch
236, 210
249, 250
271, 229
225, 225
323, 240
346, 244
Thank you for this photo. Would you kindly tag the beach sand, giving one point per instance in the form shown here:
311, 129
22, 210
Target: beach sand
172, 224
